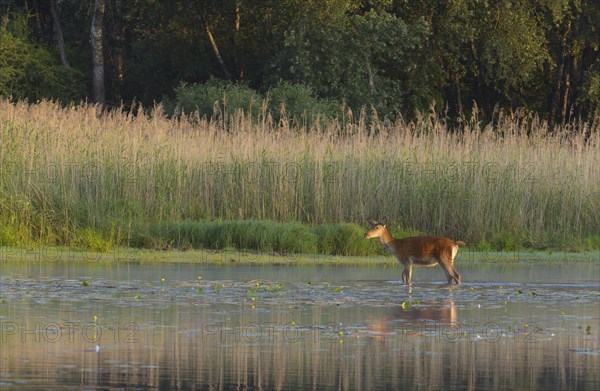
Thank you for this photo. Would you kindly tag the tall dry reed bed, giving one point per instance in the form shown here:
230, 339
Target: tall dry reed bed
71, 173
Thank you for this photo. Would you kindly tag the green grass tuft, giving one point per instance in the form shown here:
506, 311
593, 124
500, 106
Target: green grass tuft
346, 239
90, 239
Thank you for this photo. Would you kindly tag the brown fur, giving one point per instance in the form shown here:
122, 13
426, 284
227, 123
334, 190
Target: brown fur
421, 251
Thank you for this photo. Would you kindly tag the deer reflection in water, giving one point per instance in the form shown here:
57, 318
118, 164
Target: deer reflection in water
414, 319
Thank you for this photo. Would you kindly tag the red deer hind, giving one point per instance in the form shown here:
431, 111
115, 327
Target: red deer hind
420, 251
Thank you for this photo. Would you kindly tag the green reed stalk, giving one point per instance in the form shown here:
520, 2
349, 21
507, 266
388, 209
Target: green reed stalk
67, 172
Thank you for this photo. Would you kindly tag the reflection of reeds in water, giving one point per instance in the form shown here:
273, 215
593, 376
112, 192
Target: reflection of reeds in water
187, 347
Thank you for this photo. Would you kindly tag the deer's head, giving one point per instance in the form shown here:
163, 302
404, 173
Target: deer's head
377, 228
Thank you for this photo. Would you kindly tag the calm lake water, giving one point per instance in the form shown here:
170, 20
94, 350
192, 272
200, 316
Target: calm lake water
121, 326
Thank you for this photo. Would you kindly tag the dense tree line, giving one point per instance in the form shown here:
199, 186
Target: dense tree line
398, 56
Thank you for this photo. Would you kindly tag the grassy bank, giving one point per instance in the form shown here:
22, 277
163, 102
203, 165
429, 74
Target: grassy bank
77, 177
230, 256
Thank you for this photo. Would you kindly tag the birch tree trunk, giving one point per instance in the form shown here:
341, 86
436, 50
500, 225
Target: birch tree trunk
97, 33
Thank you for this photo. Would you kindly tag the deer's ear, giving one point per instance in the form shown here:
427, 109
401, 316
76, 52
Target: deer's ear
372, 222
384, 221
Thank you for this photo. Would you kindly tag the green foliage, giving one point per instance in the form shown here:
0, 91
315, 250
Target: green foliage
93, 240
507, 242
512, 47
257, 235
261, 235
483, 246
592, 242
299, 102
219, 235
9, 236
348, 56
345, 239
399, 232
30, 71
590, 99
220, 99
296, 238
400, 57
214, 98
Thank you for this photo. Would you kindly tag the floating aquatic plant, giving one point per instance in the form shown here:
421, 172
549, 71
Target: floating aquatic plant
275, 287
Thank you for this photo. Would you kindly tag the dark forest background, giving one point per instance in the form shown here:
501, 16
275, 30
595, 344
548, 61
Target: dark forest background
396, 56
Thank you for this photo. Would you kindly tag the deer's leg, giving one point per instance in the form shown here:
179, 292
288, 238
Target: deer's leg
407, 274
451, 274
456, 276
448, 275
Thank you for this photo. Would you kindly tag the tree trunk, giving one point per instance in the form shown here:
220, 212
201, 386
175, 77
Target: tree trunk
453, 98
36, 12
556, 95
458, 97
557, 104
215, 49
116, 45
97, 33
567, 92
60, 41
238, 18
372, 89
119, 37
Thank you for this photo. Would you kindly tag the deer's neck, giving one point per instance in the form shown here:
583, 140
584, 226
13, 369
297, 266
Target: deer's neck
387, 240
